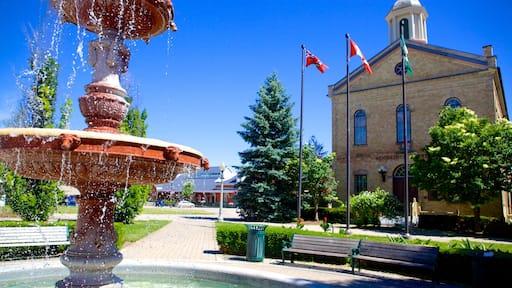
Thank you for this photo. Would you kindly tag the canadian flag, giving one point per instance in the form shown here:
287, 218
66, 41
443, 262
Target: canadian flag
354, 50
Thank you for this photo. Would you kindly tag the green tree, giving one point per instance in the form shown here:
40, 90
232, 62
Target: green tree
264, 193
188, 190
134, 123
42, 104
468, 160
34, 199
318, 183
65, 113
131, 201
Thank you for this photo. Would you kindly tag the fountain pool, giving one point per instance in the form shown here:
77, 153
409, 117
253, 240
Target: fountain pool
156, 274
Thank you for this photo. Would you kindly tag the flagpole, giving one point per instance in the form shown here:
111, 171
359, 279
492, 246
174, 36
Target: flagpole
347, 229
406, 142
299, 194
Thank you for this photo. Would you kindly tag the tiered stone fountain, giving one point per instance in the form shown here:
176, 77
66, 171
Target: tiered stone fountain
99, 160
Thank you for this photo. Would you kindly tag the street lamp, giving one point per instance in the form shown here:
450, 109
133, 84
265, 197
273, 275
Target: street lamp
222, 167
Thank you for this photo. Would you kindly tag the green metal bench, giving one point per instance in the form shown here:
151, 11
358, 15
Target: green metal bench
417, 256
319, 245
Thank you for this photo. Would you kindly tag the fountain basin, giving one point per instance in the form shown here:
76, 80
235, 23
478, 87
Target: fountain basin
159, 274
134, 19
82, 157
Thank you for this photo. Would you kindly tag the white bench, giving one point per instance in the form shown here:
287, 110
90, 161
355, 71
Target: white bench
34, 236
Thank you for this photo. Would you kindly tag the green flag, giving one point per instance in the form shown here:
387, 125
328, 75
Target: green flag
405, 53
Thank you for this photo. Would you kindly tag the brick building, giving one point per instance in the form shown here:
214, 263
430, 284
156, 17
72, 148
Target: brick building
441, 77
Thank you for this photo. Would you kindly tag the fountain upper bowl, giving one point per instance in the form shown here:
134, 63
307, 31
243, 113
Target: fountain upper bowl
77, 157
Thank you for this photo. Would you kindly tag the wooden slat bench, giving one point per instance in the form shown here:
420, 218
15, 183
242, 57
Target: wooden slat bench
34, 236
319, 245
397, 254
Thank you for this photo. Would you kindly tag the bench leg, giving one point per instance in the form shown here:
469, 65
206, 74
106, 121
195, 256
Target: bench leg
353, 263
291, 257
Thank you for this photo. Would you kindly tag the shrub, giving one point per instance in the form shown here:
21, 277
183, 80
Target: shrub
130, 203
32, 200
367, 207
232, 239
335, 215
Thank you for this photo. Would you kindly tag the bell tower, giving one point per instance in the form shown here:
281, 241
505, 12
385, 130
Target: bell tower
415, 17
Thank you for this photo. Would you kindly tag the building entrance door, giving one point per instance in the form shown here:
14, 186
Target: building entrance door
399, 183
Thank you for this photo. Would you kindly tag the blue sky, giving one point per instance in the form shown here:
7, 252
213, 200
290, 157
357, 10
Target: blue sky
197, 83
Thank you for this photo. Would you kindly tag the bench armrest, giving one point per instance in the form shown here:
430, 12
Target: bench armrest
357, 251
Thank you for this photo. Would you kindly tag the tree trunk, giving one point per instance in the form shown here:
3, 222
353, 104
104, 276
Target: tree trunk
476, 214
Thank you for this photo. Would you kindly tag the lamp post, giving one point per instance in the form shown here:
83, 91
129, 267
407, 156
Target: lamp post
222, 167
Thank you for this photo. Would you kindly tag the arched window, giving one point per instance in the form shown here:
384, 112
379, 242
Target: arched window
360, 127
453, 102
400, 124
406, 27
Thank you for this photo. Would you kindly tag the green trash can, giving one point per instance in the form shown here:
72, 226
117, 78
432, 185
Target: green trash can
255, 242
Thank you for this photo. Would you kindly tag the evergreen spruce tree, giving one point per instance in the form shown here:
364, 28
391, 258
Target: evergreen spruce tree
263, 193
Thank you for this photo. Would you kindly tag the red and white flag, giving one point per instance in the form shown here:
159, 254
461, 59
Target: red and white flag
354, 50
312, 59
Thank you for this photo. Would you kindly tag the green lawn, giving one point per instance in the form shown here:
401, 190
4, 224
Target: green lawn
136, 231
146, 210
174, 211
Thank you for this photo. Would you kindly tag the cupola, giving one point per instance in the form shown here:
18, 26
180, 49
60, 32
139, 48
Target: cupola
415, 17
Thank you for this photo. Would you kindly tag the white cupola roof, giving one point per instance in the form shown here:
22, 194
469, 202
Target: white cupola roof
415, 17
405, 3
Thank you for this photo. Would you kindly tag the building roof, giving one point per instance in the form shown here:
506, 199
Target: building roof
204, 180
405, 3
463, 61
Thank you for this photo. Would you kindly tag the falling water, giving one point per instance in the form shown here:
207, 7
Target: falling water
99, 155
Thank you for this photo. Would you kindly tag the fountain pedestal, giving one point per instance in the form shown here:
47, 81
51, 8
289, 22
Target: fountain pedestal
93, 253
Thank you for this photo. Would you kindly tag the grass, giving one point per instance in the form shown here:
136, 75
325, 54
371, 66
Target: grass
174, 211
67, 209
129, 233
6, 212
146, 210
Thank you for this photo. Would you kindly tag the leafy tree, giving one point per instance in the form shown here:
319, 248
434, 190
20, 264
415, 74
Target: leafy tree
42, 104
65, 113
134, 123
34, 199
264, 193
188, 190
318, 183
131, 201
468, 159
